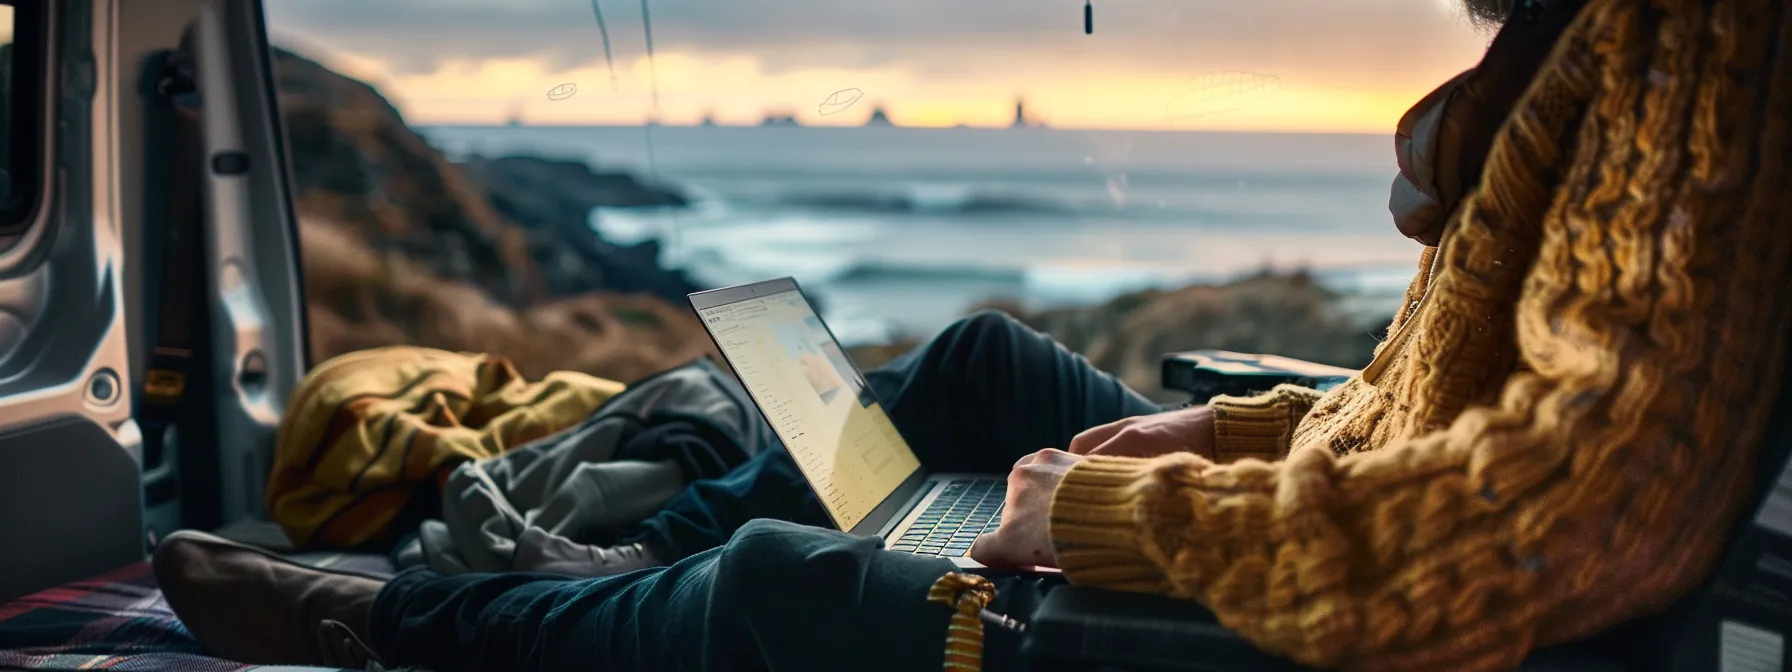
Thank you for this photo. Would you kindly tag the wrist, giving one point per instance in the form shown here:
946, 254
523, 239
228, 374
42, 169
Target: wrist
1259, 427
1202, 431
1094, 529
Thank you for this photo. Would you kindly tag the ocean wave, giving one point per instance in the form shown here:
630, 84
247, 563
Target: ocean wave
954, 200
970, 204
873, 272
1118, 199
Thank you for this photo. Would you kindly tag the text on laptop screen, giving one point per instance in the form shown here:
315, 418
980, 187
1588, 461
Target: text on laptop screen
815, 400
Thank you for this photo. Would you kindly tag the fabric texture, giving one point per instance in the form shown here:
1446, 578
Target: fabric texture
365, 432
559, 502
1564, 428
119, 621
772, 598
769, 594
1258, 427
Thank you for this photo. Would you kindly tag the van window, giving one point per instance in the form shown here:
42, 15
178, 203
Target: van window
22, 32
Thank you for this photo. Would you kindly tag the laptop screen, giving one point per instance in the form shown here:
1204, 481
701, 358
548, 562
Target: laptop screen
816, 401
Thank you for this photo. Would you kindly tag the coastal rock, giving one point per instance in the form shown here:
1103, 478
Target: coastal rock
400, 246
516, 227
1284, 314
354, 160
553, 200
538, 188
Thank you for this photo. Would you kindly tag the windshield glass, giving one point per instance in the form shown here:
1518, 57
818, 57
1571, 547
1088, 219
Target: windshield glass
906, 162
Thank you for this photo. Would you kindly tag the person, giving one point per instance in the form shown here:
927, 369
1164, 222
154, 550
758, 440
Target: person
1556, 436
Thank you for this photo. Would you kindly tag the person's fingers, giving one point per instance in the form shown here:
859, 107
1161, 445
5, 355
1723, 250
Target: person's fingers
993, 548
1137, 442
997, 549
1093, 437
1042, 456
1004, 547
984, 549
1054, 456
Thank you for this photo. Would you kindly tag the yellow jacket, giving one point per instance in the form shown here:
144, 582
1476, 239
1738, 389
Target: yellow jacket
367, 431
1562, 428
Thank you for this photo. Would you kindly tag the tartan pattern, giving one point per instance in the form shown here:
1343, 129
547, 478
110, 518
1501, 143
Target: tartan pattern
119, 621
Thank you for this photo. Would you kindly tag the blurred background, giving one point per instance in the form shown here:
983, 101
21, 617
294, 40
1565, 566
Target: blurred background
546, 179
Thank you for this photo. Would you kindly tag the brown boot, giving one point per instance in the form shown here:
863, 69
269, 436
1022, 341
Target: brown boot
252, 606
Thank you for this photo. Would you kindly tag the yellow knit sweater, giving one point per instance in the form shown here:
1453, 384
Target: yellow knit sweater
1563, 426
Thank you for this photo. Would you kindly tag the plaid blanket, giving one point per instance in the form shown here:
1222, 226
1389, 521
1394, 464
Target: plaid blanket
118, 621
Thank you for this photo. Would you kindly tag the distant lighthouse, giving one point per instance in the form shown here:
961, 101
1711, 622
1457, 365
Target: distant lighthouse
1020, 114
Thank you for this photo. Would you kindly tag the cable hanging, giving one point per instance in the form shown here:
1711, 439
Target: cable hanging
653, 70
653, 170
653, 86
604, 31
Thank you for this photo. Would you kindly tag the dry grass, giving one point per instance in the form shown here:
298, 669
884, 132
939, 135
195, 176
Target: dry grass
1284, 314
359, 299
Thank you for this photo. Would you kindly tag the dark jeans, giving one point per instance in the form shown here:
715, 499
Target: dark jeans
781, 595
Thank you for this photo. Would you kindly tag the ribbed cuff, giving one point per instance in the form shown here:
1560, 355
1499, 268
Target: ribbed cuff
1095, 525
1260, 427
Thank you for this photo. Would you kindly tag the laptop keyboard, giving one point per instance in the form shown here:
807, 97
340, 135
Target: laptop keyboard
963, 510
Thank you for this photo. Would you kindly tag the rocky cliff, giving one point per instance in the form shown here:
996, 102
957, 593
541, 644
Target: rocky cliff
1285, 314
552, 199
402, 245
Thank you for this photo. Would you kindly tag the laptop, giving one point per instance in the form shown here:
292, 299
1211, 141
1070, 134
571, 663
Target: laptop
818, 403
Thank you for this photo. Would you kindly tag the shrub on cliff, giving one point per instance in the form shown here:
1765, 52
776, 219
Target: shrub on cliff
1284, 314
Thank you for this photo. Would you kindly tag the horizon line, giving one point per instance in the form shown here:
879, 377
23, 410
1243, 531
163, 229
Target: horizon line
962, 127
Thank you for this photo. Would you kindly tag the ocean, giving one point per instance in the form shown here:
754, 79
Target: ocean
899, 230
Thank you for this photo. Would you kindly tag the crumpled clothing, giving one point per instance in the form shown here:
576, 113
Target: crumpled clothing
365, 433
560, 503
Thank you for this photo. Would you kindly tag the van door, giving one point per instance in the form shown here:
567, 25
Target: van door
97, 197
69, 449
256, 349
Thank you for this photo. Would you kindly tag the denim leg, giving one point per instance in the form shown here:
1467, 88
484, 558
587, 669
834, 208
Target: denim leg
988, 390
777, 597
706, 512
977, 397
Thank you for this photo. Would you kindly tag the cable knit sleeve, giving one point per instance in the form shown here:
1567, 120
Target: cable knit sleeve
1598, 479
1258, 426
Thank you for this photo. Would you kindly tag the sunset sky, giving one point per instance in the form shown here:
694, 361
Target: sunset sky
1316, 65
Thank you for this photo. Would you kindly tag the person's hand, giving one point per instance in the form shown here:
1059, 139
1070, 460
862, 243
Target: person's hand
1024, 537
1189, 430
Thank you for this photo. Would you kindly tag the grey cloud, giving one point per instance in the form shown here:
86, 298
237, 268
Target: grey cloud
932, 37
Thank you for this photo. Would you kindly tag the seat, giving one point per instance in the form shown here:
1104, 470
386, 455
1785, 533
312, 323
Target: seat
1738, 620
